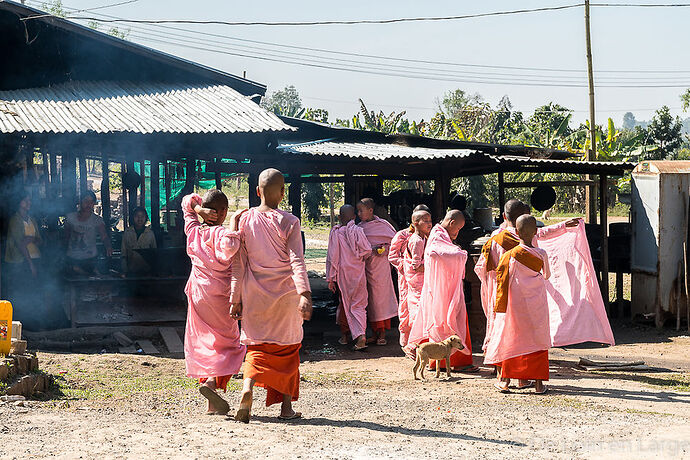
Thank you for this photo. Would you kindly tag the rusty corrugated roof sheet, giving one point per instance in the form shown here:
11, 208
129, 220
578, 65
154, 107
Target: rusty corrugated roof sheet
663, 167
506, 159
147, 107
373, 151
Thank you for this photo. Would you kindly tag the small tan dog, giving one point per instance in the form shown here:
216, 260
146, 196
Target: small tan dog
438, 351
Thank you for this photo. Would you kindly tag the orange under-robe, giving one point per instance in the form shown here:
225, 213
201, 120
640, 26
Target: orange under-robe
274, 367
533, 366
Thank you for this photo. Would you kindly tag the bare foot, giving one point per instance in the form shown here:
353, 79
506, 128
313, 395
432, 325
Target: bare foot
539, 387
361, 342
245, 408
215, 402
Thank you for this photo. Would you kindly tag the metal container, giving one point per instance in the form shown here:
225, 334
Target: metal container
659, 212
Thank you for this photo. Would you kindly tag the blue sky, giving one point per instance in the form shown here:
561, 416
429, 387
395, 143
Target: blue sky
623, 39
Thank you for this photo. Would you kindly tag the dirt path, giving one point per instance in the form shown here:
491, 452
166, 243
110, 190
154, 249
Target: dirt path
363, 405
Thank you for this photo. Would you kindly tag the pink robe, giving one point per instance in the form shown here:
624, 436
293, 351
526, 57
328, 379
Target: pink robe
382, 302
396, 259
212, 338
268, 277
348, 247
442, 312
413, 260
524, 327
577, 310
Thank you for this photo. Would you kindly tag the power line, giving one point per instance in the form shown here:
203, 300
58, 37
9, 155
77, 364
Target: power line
333, 22
85, 10
389, 58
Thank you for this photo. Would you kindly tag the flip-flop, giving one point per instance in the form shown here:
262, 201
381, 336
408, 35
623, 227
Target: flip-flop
501, 388
543, 391
382, 342
294, 416
342, 342
216, 400
524, 387
356, 348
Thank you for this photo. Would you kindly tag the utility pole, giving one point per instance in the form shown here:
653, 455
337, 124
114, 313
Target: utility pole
592, 152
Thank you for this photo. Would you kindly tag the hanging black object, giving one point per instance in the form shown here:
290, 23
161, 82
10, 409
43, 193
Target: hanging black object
543, 198
131, 180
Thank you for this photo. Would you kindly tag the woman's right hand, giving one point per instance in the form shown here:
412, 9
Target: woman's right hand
209, 215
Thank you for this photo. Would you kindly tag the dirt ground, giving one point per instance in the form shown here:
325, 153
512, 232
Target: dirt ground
364, 405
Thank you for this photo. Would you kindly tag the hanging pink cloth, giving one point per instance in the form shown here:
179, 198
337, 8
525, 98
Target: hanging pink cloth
577, 310
382, 302
524, 327
442, 311
348, 247
212, 338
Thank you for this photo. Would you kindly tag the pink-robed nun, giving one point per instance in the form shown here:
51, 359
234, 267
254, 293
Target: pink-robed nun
396, 259
348, 248
212, 337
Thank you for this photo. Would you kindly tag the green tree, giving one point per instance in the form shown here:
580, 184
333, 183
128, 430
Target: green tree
286, 102
313, 197
685, 99
665, 133
629, 121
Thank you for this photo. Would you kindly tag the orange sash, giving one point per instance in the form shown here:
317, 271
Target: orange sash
505, 239
523, 256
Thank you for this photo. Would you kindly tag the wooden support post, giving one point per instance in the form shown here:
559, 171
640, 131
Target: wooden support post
603, 219
295, 198
142, 194
131, 194
501, 192
69, 181
105, 190
168, 183
54, 176
83, 175
331, 203
219, 182
349, 189
44, 172
441, 192
155, 198
253, 181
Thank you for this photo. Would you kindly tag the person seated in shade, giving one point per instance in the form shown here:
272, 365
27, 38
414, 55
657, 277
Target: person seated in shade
137, 236
81, 230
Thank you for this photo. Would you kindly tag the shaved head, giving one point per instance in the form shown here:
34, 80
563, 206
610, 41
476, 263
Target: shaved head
513, 209
346, 214
453, 222
271, 177
421, 207
526, 227
418, 215
368, 202
271, 187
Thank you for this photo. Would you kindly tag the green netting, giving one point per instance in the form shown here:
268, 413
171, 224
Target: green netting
204, 179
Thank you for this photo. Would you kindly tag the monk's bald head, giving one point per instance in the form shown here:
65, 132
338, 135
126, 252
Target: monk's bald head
526, 227
512, 210
346, 214
271, 187
419, 215
453, 222
421, 207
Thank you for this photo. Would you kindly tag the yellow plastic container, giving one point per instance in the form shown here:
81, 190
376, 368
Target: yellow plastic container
5, 327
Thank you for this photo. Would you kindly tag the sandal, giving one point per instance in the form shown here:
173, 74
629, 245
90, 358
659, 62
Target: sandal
542, 391
501, 388
524, 387
356, 348
468, 369
294, 416
342, 341
381, 342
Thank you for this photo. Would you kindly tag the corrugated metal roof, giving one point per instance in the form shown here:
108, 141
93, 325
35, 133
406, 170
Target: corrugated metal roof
147, 107
373, 151
663, 167
539, 161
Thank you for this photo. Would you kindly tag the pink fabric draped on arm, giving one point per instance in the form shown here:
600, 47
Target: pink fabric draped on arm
576, 307
395, 257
